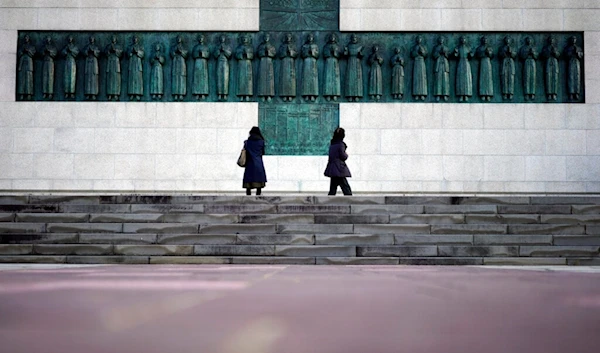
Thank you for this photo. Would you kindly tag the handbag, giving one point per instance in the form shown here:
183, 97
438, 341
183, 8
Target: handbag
242, 158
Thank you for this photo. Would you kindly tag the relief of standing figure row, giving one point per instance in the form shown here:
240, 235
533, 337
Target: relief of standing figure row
285, 79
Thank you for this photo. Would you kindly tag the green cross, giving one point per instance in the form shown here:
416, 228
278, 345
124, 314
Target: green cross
298, 129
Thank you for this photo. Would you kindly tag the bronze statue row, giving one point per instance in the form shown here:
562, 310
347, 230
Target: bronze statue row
309, 53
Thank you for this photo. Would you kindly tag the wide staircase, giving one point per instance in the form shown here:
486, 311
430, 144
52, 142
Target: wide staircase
390, 230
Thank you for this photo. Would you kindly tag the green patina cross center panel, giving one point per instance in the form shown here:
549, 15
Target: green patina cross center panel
298, 129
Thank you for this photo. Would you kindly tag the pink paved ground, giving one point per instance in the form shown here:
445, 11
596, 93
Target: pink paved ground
298, 309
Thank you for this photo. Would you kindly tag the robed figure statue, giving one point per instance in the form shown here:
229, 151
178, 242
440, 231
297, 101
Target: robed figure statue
113, 69
529, 54
464, 77
310, 73
266, 72
354, 73
574, 54
25, 69
49, 53
397, 63
201, 54
222, 53
419, 85
179, 70
287, 72
332, 52
135, 86
441, 71
551, 73
486, 80
375, 75
157, 81
244, 55
70, 52
91, 71
507, 69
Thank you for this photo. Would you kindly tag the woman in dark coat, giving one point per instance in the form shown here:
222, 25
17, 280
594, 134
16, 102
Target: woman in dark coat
337, 169
254, 174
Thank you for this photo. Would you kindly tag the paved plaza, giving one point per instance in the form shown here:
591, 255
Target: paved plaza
298, 309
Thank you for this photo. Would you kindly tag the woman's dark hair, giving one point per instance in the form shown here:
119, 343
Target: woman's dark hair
339, 134
256, 131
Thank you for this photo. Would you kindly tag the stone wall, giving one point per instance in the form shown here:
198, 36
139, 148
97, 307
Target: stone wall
393, 147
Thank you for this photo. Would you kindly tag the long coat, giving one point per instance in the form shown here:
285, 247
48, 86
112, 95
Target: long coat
336, 166
255, 169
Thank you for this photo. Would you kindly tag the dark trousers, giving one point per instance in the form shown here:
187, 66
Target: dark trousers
342, 182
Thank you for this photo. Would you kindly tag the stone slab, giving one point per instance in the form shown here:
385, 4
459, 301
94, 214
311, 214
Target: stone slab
586, 209
234, 250
354, 239
386, 209
352, 219
240, 209
33, 259
469, 229
148, 250
16, 249
461, 209
566, 200
400, 251
525, 261
197, 239
272, 260
315, 228
39, 238
431, 239
583, 261
535, 209
554, 229
170, 208
29, 208
73, 249
200, 218
592, 230
278, 218
238, 229
347, 200
124, 217
22, 228
418, 200
7, 217
512, 239
491, 200
316, 209
85, 228
357, 261
116, 238
107, 260
278, 200
64, 199
559, 251
189, 260
14, 200
442, 261
104, 208
275, 239
502, 219
571, 219
568, 240
427, 219
52, 217
392, 229
160, 228
483, 251
314, 250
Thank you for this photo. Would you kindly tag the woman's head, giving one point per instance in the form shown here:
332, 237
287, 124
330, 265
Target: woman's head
256, 131
339, 134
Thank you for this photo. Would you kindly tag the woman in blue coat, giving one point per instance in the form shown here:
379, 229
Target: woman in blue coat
254, 174
337, 169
